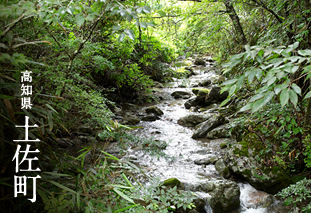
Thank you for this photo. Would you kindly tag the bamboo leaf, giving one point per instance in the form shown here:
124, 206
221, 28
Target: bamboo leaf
124, 196
62, 186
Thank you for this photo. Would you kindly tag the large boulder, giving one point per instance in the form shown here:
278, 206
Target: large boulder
241, 162
129, 119
150, 117
199, 61
192, 120
225, 196
203, 128
181, 94
155, 110
215, 96
191, 102
222, 131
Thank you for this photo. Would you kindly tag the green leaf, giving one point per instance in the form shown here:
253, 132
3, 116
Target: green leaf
304, 52
232, 81
121, 37
256, 97
293, 97
284, 97
240, 82
143, 24
6, 97
146, 9
257, 105
251, 76
279, 88
225, 102
80, 20
271, 81
162, 13
247, 48
130, 33
258, 73
308, 95
62, 186
123, 195
296, 88
232, 90
246, 107
126, 208
307, 69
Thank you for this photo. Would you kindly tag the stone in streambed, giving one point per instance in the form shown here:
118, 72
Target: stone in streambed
222, 169
150, 117
202, 129
192, 120
181, 94
155, 110
222, 131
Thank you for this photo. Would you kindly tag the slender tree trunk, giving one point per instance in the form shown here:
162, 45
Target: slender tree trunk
308, 114
236, 21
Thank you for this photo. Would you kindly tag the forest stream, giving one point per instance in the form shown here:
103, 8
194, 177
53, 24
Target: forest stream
183, 152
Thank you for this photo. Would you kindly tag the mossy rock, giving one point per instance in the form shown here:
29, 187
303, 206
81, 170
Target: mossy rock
223, 145
195, 91
203, 92
172, 182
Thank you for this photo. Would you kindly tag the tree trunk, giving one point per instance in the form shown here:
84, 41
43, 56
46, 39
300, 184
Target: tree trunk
308, 114
236, 21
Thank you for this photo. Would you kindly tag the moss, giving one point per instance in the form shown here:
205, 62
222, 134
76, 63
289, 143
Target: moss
171, 182
223, 145
195, 91
203, 92
247, 173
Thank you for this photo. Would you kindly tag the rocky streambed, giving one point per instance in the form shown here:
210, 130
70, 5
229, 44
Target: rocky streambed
200, 151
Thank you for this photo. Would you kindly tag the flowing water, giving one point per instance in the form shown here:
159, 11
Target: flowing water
182, 150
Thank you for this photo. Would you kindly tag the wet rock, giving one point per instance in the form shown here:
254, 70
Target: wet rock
199, 61
259, 175
64, 142
203, 92
181, 94
155, 110
225, 196
205, 83
195, 91
222, 131
172, 182
191, 102
129, 119
223, 145
191, 71
202, 129
85, 130
253, 198
192, 120
150, 117
130, 107
207, 160
222, 169
215, 96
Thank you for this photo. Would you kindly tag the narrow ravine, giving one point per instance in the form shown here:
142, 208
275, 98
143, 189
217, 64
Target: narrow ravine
183, 151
